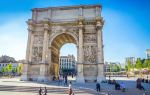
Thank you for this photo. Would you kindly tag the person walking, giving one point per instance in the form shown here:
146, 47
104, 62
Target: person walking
40, 91
98, 87
139, 85
70, 89
122, 86
72, 75
66, 80
60, 80
45, 91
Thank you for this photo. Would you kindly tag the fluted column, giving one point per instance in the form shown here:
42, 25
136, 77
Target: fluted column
100, 56
50, 77
45, 43
28, 45
99, 42
80, 77
30, 48
43, 77
26, 65
80, 43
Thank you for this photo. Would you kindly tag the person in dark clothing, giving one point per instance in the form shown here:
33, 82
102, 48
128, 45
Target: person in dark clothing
45, 91
40, 91
66, 80
109, 77
117, 86
139, 85
98, 87
72, 75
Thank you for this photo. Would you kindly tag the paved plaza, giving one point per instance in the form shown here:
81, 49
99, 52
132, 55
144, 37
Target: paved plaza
14, 86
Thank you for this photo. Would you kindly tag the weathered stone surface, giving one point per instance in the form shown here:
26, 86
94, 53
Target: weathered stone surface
51, 28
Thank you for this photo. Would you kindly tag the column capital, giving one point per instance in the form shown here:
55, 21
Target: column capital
31, 24
99, 22
46, 27
30, 30
46, 24
80, 26
80, 22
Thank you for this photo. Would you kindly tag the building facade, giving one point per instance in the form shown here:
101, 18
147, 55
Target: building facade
112, 66
132, 60
50, 28
148, 53
67, 63
14, 65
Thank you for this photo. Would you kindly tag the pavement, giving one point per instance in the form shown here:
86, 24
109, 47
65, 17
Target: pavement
14, 86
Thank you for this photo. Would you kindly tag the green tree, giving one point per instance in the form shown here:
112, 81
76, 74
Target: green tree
148, 63
9, 67
115, 68
119, 67
3, 70
14, 70
129, 66
6, 70
19, 69
110, 67
126, 67
132, 66
138, 64
145, 64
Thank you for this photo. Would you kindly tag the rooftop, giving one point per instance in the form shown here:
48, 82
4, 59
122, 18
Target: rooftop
66, 7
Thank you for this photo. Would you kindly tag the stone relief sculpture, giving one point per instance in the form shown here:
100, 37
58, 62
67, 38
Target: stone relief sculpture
38, 40
81, 30
34, 54
90, 54
40, 53
55, 29
89, 38
37, 54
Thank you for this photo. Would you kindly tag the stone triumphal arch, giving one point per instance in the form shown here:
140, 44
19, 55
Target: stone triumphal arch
52, 27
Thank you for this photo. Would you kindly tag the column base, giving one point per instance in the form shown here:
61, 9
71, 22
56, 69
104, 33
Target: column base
100, 78
80, 79
24, 78
50, 78
42, 79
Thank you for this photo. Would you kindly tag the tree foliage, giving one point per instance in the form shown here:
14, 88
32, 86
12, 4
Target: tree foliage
8, 70
115, 67
19, 69
145, 64
14, 70
138, 64
129, 65
3, 70
9, 67
148, 64
119, 67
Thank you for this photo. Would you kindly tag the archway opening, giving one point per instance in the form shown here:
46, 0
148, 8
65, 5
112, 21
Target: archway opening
68, 60
63, 45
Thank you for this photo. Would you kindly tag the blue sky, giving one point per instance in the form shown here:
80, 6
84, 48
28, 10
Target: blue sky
126, 31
